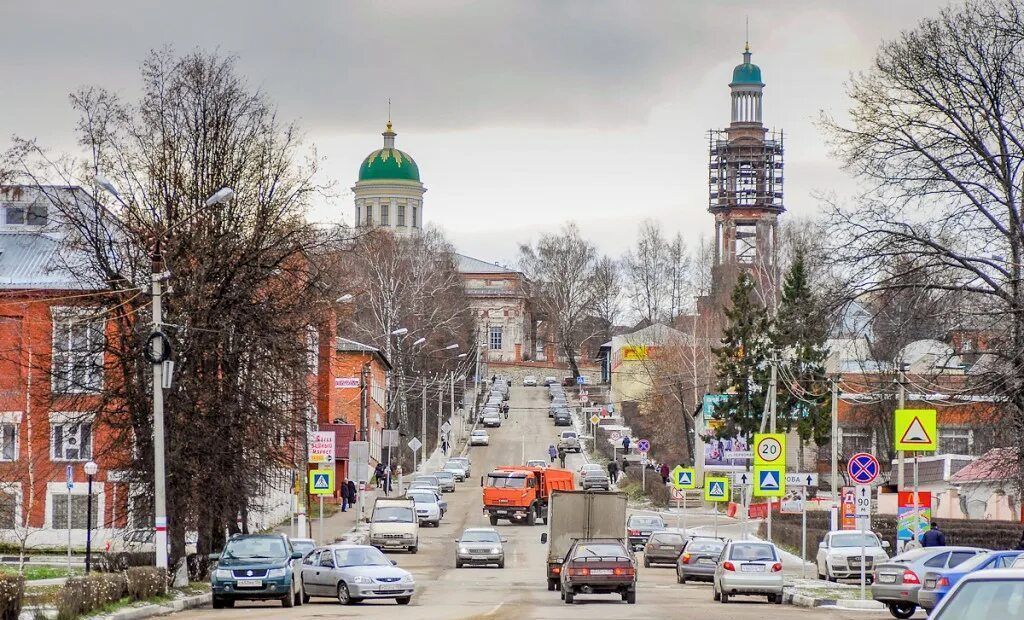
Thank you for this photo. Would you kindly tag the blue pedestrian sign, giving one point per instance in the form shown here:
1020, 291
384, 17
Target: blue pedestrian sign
321, 482
863, 468
769, 481
581, 380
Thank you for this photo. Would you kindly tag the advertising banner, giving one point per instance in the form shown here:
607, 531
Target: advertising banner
906, 514
720, 452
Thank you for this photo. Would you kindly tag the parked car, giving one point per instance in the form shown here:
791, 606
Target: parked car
663, 548
989, 594
423, 485
491, 420
466, 462
479, 437
480, 546
428, 508
569, 441
749, 568
699, 559
897, 581
394, 524
536, 463
938, 583
530, 381
595, 479
352, 573
457, 468
549, 380
562, 418
255, 567
305, 545
839, 554
598, 566
1019, 562
640, 527
446, 480
568, 381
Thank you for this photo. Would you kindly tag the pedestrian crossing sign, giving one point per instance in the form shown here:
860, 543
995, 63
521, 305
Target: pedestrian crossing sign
769, 481
321, 482
716, 489
684, 478
916, 430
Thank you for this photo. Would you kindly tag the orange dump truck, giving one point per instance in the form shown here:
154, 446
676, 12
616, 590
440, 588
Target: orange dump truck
522, 493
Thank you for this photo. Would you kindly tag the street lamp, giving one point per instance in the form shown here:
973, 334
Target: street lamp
157, 339
344, 299
451, 347
91, 468
401, 331
418, 342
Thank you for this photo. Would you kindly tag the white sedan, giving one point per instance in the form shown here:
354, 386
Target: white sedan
479, 438
530, 381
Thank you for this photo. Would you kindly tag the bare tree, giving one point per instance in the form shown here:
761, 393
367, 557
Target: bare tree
607, 295
678, 276
648, 268
561, 268
936, 131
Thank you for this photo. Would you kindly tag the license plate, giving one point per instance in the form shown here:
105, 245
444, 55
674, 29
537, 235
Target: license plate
887, 578
645, 533
752, 568
250, 583
670, 547
391, 589
929, 584
600, 571
705, 561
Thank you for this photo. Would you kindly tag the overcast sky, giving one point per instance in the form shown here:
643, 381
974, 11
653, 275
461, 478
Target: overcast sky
521, 115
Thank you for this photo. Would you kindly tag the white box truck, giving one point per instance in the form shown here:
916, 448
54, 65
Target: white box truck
573, 515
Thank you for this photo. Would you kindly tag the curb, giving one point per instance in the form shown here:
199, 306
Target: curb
802, 600
856, 603
149, 611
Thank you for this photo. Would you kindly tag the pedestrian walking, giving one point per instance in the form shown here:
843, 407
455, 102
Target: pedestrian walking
346, 499
561, 457
1020, 543
378, 475
613, 471
552, 452
933, 537
389, 477
664, 473
624, 467
444, 446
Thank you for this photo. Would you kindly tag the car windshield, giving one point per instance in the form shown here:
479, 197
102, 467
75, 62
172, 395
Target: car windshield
399, 514
256, 547
506, 482
705, 546
453, 465
443, 474
362, 556
304, 546
569, 435
426, 479
667, 539
752, 552
988, 598
480, 536
646, 522
479, 433
855, 540
599, 550
422, 498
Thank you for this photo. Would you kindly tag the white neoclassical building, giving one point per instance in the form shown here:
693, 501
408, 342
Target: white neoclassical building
389, 193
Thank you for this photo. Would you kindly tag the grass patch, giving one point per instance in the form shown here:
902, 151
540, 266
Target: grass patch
329, 510
33, 571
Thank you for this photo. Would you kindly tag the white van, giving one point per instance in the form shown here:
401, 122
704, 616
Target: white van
393, 525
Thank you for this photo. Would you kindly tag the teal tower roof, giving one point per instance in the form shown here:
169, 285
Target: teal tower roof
746, 73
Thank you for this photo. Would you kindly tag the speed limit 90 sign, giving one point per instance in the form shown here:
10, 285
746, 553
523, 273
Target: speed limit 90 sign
770, 449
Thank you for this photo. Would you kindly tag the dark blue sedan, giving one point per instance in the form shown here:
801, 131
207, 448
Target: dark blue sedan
938, 583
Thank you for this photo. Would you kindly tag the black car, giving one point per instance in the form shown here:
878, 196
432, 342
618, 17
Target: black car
562, 418
640, 528
598, 566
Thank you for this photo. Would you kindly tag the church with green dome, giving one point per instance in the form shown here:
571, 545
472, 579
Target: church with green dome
388, 192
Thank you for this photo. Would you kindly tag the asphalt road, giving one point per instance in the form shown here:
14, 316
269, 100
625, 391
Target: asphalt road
519, 590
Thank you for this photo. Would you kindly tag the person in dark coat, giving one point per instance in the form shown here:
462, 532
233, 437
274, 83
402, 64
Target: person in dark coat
552, 452
1020, 543
346, 499
351, 493
561, 457
933, 537
624, 467
613, 471
664, 473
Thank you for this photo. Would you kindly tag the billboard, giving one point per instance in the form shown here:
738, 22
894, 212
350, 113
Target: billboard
637, 352
717, 451
906, 513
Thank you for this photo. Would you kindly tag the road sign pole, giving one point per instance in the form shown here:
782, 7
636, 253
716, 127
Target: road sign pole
684, 511
863, 577
643, 475
803, 533
678, 515
321, 519
917, 516
716, 520
901, 458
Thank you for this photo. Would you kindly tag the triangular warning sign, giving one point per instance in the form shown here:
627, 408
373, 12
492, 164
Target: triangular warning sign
916, 434
320, 482
684, 478
716, 489
769, 481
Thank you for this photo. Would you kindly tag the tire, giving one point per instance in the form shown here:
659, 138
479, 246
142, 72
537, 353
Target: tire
413, 549
820, 576
716, 595
833, 579
403, 600
305, 597
631, 597
551, 585
778, 599
436, 523
902, 610
494, 519
344, 598
218, 602
680, 578
569, 596
724, 597
288, 601
531, 517
458, 564
298, 597
647, 563
501, 563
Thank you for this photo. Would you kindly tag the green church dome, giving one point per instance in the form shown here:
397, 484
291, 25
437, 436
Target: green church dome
389, 164
746, 73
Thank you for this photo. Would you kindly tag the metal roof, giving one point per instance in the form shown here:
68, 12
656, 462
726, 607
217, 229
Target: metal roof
344, 344
468, 264
33, 260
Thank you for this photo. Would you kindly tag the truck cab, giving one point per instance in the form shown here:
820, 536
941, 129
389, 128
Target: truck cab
521, 494
394, 525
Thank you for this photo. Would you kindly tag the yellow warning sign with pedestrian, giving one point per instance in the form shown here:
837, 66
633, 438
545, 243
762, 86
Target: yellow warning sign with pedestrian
916, 430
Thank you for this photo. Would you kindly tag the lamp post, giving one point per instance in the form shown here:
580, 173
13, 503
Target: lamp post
157, 339
91, 468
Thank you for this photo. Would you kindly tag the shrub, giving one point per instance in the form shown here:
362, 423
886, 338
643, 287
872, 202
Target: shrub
146, 582
81, 595
655, 490
12, 592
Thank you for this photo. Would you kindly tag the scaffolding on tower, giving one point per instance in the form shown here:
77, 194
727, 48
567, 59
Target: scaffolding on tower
745, 173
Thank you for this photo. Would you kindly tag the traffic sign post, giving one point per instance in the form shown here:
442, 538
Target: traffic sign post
683, 479
769, 482
863, 468
862, 499
916, 430
716, 489
414, 444
321, 482
797, 482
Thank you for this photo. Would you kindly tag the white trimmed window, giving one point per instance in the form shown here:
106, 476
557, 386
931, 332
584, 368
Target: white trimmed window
369, 214
312, 349
79, 510
26, 214
10, 505
78, 342
495, 338
9, 422
401, 215
856, 440
384, 208
415, 216
70, 437
359, 212
954, 441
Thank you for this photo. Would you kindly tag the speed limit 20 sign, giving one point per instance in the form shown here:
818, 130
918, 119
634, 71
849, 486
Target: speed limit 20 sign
770, 449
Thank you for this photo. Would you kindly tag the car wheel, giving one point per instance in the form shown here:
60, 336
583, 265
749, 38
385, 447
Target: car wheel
298, 597
902, 610
551, 585
305, 597
725, 597
568, 596
288, 600
716, 595
501, 563
531, 517
647, 563
437, 523
218, 602
833, 579
494, 519
680, 578
778, 599
631, 597
403, 600
458, 564
820, 576
344, 597
414, 549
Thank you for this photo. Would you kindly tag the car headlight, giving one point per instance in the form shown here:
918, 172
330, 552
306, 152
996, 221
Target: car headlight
407, 579
406, 535
277, 572
362, 580
222, 573
463, 550
496, 550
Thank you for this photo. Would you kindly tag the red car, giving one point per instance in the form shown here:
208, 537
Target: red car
598, 566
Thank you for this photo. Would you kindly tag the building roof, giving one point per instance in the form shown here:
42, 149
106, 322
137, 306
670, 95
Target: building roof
344, 344
996, 465
33, 260
655, 334
468, 264
389, 163
746, 73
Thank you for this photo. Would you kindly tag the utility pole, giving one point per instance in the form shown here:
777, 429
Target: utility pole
364, 400
423, 425
835, 451
451, 386
772, 404
159, 468
440, 407
901, 395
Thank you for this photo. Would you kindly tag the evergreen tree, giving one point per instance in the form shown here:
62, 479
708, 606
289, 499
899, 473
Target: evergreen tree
741, 362
799, 334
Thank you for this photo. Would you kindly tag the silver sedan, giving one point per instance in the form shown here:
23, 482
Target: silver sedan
749, 568
480, 546
352, 573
